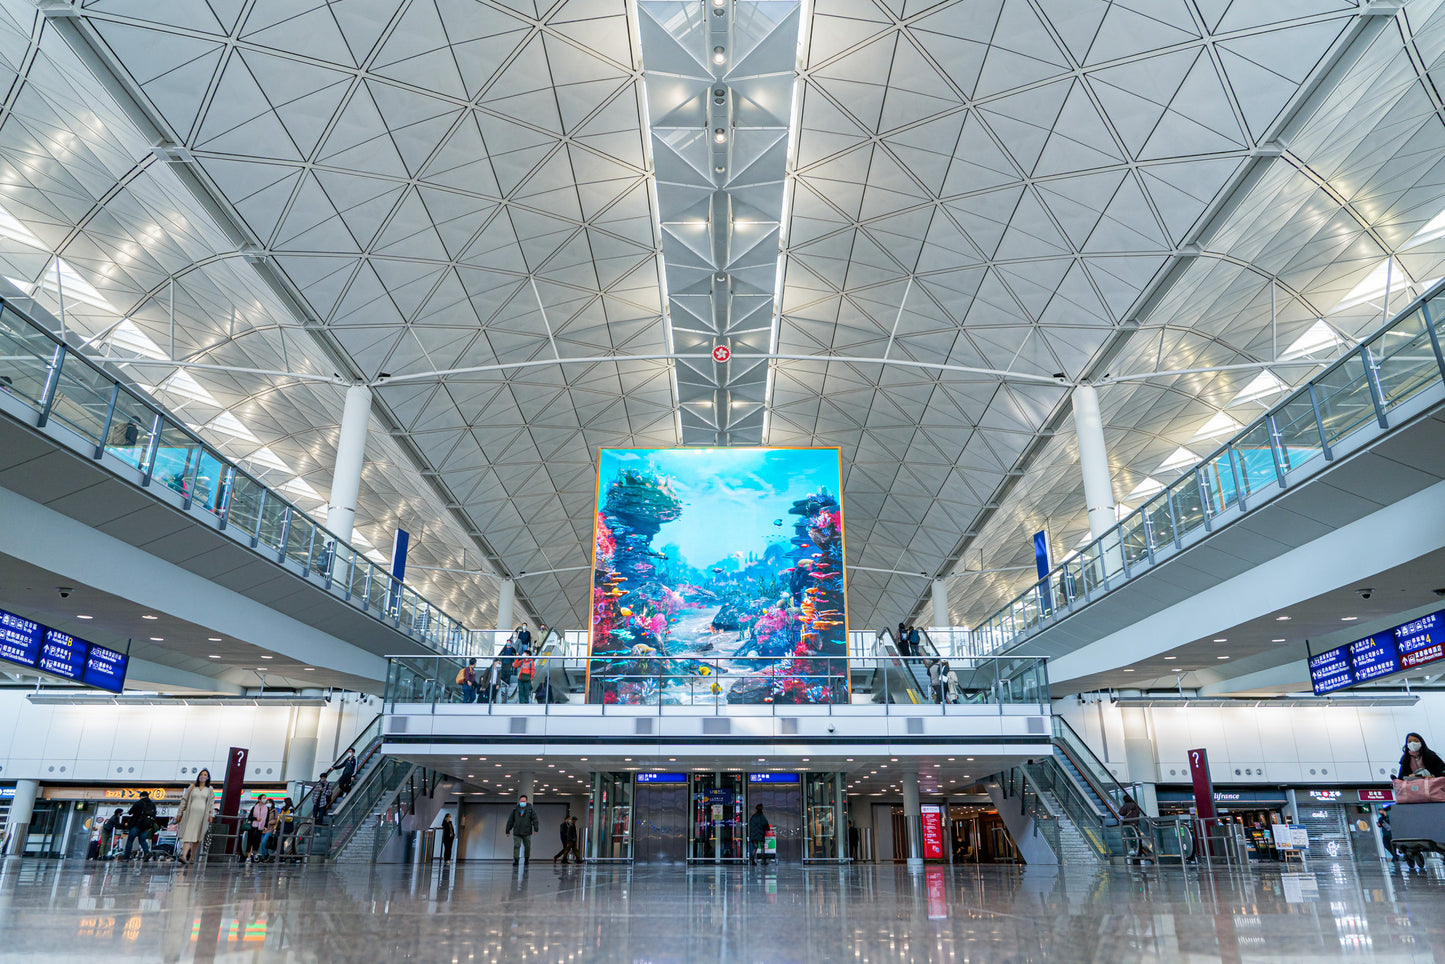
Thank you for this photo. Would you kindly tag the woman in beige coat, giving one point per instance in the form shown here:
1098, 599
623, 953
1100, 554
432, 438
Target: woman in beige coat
194, 816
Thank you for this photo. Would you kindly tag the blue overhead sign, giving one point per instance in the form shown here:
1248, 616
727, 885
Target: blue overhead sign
20, 639
27, 643
1402, 647
662, 778
772, 778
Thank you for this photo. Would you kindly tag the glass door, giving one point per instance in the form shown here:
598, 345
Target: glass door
611, 820
718, 821
820, 816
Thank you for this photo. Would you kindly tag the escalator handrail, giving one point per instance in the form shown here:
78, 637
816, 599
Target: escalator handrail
1070, 751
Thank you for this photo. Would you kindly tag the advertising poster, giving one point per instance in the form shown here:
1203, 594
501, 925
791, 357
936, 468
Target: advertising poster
932, 831
718, 577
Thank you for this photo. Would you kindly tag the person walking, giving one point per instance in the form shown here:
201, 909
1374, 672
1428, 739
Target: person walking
915, 641
524, 638
902, 640
193, 818
507, 657
758, 828
521, 824
566, 845
526, 669
449, 836
494, 681
108, 831
574, 839
854, 838
321, 805
346, 766
938, 676
467, 680
142, 815
1418, 760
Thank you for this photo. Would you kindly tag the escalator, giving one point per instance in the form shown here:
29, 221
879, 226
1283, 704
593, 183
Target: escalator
896, 679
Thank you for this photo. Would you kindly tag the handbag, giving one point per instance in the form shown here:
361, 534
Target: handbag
1420, 790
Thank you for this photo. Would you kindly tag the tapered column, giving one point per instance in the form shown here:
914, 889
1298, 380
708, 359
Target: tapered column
506, 596
940, 603
350, 457
913, 816
22, 808
1093, 460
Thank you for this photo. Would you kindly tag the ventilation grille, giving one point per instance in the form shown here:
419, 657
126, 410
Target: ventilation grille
643, 725
397, 724
788, 726
1036, 724
915, 726
519, 724
717, 727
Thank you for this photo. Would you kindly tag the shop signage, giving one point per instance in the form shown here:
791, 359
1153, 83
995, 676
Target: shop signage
932, 831
1327, 796
1405, 646
772, 778
662, 778
1203, 783
7, 793
1377, 796
28, 643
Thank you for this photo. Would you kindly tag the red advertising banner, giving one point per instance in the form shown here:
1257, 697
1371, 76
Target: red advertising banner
1377, 796
932, 831
231, 791
1203, 783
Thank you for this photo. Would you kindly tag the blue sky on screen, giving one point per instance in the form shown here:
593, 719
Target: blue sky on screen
731, 496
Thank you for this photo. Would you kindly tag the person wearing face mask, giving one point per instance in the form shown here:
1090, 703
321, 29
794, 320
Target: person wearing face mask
1419, 760
521, 824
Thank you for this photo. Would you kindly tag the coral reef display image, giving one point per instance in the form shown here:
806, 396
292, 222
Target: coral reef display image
718, 577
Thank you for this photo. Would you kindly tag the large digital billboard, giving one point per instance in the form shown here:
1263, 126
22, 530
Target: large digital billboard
718, 577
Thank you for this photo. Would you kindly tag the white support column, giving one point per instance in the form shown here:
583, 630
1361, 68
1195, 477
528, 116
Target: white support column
913, 816
22, 808
1140, 759
940, 603
1093, 460
506, 595
350, 456
301, 754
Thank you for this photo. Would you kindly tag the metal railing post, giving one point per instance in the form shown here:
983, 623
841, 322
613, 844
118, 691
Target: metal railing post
1434, 338
109, 419
52, 386
1320, 423
1276, 448
285, 535
1372, 380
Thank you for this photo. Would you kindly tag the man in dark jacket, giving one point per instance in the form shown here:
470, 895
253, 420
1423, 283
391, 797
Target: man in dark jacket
521, 824
449, 836
758, 828
142, 821
524, 637
569, 833
347, 766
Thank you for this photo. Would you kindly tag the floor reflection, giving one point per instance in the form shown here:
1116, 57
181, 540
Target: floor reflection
491, 912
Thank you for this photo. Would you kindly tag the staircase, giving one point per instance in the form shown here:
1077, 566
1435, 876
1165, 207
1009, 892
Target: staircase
1073, 846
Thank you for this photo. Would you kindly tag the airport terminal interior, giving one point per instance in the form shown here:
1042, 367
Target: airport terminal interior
729, 480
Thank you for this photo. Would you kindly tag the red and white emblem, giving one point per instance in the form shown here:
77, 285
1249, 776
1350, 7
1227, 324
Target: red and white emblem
721, 353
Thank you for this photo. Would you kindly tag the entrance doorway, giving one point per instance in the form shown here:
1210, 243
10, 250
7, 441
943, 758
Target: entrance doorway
661, 831
783, 806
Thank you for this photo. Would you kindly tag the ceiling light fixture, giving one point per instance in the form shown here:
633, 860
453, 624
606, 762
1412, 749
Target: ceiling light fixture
1221, 639
149, 616
719, 136
158, 639
213, 639
78, 616
1282, 619
719, 55
1348, 619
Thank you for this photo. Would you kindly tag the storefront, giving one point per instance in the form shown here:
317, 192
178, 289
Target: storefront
702, 817
1341, 823
1253, 811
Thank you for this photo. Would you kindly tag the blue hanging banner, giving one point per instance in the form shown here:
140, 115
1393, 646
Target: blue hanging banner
1041, 553
398, 555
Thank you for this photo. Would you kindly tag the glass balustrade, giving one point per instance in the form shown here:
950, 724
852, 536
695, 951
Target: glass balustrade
110, 419
1297, 438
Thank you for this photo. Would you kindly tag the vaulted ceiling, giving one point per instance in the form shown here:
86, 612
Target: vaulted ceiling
481, 208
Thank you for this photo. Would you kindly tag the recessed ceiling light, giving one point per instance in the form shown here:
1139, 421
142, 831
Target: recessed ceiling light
1276, 640
1128, 671
213, 639
1171, 657
213, 656
1221, 639
1348, 619
158, 639
309, 669
1282, 619
149, 616
78, 616
1221, 657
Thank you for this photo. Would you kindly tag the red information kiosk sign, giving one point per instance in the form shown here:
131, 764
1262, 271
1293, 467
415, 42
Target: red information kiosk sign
932, 831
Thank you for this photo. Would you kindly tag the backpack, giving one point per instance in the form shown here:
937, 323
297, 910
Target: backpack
461, 676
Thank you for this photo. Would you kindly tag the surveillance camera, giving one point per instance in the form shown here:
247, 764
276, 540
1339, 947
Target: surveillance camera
1365, 593
832, 727
64, 591
1438, 592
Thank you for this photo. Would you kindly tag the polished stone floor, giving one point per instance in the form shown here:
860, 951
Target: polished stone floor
71, 910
